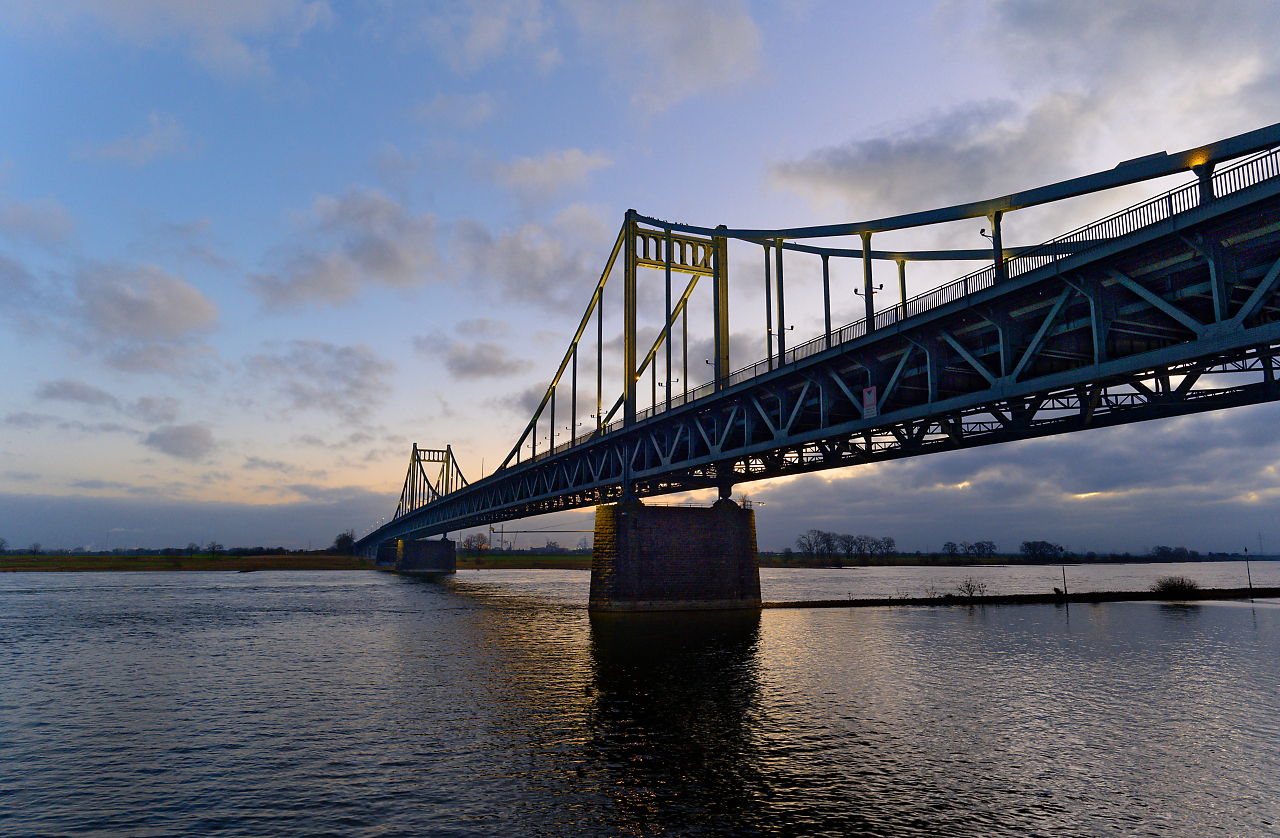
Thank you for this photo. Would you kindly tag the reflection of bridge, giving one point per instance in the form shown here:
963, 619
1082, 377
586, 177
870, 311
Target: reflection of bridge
1166, 308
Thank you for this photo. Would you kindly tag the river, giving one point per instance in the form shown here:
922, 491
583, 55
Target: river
366, 704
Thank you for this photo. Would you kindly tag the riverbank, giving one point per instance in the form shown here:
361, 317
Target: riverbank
244, 564
1089, 597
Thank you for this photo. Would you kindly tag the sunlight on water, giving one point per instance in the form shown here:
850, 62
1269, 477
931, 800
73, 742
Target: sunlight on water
366, 704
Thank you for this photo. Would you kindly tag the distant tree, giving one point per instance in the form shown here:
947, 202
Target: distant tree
950, 548
35, 548
192, 548
475, 544
848, 545
830, 543
810, 542
213, 548
4, 545
344, 544
1041, 550
887, 546
983, 549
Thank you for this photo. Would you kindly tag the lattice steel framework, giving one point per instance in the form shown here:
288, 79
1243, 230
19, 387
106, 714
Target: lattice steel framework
1166, 308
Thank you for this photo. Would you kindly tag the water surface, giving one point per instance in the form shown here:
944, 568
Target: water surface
351, 703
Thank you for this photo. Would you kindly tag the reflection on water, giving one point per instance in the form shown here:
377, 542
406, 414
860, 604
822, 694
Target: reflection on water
676, 701
364, 704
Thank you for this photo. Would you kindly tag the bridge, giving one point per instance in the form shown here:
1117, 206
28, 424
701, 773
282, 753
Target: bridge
1165, 308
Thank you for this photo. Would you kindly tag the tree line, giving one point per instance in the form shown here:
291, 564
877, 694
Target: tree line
820, 544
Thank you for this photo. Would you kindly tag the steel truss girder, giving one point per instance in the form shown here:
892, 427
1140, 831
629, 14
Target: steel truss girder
1142, 327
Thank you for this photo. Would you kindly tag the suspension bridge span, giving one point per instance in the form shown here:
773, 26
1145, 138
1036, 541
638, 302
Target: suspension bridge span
1165, 308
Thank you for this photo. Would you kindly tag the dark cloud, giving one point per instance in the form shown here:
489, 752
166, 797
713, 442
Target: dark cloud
186, 442
1089, 84
316, 375
971, 152
1208, 482
75, 390
162, 521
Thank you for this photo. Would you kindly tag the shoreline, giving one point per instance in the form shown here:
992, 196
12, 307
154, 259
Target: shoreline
1086, 598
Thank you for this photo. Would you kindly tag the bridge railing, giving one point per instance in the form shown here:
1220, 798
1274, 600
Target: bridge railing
1242, 175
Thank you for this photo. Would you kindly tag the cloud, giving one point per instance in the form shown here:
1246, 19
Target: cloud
316, 375
257, 463
141, 318
75, 390
28, 420
546, 176
469, 361
99, 485
21, 476
664, 51
525, 402
1111, 82
457, 110
16, 282
143, 304
155, 410
43, 222
225, 38
165, 521
974, 151
467, 35
165, 137
186, 442
362, 238
669, 50
550, 265
1199, 481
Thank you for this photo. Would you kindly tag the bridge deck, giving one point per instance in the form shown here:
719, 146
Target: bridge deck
1165, 309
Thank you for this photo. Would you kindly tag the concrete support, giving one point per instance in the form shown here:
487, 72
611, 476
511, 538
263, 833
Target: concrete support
419, 557
674, 558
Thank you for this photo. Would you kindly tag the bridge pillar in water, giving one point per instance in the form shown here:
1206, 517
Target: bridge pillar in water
674, 558
419, 557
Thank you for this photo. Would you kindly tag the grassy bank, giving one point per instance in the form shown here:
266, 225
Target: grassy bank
289, 561
1034, 599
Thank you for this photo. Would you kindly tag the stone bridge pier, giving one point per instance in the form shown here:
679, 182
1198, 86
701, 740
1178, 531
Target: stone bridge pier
674, 558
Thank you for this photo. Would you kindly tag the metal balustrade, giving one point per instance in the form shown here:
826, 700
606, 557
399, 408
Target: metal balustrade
1239, 176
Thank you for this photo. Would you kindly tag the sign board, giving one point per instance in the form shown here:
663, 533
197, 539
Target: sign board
869, 403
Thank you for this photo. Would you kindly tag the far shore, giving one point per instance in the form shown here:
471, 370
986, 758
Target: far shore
58, 562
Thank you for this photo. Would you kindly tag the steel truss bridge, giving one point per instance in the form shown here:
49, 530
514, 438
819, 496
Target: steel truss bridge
1166, 308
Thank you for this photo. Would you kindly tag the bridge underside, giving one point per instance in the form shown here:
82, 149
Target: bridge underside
1178, 317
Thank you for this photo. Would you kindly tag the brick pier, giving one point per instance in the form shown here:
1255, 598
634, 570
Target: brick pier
674, 558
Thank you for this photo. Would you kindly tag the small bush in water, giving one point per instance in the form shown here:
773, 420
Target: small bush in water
1175, 585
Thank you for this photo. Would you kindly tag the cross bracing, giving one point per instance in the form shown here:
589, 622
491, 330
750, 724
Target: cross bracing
1164, 309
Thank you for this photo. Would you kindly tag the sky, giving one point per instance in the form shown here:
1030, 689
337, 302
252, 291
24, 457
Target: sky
251, 251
